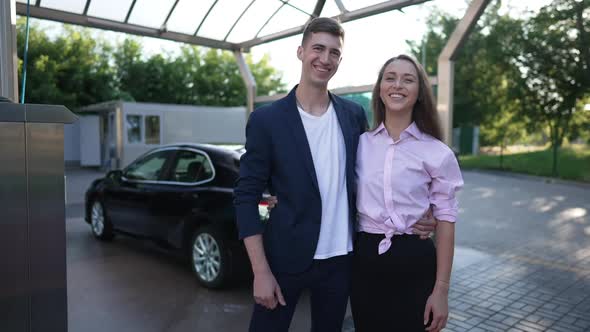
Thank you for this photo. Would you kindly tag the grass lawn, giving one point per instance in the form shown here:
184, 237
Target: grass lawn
573, 163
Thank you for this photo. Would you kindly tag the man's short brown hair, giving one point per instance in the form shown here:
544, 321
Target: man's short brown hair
322, 24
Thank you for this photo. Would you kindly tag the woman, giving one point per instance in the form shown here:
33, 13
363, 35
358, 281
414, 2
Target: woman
401, 283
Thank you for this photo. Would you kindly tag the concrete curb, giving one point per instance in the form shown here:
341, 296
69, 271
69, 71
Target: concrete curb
583, 185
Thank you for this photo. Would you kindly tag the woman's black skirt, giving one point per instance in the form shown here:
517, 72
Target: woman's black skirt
389, 291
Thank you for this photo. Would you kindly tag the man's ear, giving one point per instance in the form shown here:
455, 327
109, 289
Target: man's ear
299, 52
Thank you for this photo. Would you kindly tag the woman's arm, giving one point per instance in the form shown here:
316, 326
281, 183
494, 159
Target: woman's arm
446, 181
445, 249
438, 301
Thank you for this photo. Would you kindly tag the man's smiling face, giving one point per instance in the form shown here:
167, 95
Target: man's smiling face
320, 56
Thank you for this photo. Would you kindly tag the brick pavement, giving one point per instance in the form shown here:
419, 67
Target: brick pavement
534, 271
515, 293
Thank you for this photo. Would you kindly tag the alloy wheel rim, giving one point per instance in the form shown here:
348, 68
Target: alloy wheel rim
97, 218
206, 257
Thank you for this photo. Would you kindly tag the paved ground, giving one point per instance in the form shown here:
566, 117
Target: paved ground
536, 276
522, 264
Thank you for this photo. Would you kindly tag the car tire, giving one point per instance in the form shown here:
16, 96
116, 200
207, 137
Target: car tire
101, 226
210, 257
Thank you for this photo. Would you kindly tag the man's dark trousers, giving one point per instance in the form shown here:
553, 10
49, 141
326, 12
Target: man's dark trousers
328, 281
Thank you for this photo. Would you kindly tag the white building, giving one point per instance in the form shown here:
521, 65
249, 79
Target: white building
112, 134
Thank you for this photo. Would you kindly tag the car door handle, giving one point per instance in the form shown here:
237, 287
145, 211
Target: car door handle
191, 195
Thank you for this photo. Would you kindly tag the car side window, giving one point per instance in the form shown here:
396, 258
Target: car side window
148, 168
192, 167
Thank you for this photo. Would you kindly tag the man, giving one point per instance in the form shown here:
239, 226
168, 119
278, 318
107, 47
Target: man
302, 148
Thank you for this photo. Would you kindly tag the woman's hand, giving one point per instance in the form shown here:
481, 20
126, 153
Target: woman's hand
272, 202
438, 305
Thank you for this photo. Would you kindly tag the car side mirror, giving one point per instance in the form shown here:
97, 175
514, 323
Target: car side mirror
115, 175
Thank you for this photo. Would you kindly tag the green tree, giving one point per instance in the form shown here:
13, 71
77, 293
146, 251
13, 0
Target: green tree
484, 74
440, 27
130, 69
72, 70
77, 69
268, 79
504, 129
197, 76
553, 54
580, 123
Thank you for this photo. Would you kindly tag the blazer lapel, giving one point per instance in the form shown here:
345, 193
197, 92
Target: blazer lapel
344, 122
300, 138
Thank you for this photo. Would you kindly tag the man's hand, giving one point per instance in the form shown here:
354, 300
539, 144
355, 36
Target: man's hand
425, 226
266, 288
267, 291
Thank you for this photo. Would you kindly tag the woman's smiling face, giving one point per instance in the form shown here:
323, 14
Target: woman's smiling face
399, 87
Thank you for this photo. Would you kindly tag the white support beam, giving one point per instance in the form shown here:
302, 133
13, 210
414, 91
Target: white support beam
8, 57
377, 9
338, 91
446, 66
346, 17
119, 121
319, 6
248, 80
269, 99
341, 6
353, 89
444, 100
463, 29
99, 23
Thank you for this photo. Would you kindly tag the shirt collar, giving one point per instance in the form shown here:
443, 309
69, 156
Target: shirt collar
378, 130
412, 130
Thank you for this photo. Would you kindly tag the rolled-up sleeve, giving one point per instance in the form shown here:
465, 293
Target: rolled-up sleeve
446, 182
254, 175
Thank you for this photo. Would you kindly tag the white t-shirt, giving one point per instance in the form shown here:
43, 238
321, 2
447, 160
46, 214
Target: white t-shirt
329, 159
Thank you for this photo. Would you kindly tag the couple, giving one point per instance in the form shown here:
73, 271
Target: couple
311, 151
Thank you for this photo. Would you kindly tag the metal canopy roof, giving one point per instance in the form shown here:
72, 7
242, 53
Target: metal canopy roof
225, 24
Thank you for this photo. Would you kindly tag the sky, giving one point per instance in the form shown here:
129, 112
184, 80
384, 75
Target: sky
371, 41
368, 42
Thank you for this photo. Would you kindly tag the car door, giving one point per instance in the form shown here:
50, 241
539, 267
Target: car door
189, 174
128, 203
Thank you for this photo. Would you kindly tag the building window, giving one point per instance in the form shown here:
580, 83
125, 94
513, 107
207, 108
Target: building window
133, 128
152, 129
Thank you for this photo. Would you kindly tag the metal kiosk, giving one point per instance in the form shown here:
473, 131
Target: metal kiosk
33, 292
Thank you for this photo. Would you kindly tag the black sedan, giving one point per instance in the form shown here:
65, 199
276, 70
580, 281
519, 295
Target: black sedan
180, 196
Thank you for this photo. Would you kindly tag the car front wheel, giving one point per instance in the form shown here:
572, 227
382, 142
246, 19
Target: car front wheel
210, 257
99, 223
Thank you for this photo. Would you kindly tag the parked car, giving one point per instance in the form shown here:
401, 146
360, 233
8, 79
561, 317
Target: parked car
179, 196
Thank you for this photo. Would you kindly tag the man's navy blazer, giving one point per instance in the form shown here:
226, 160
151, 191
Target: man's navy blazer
278, 158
